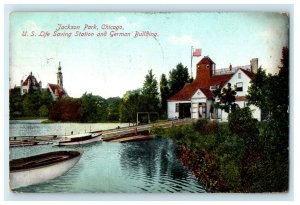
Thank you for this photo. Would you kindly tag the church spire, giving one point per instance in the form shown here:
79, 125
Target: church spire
59, 76
59, 67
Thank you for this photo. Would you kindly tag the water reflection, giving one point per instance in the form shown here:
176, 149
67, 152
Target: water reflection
155, 162
135, 167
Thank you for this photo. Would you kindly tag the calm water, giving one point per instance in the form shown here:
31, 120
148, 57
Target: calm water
36, 128
134, 167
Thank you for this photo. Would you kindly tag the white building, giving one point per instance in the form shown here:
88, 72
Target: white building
195, 100
30, 83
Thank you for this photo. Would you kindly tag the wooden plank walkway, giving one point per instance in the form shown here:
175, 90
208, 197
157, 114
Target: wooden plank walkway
124, 134
132, 138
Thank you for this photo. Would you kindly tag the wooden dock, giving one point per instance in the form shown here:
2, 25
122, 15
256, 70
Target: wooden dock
125, 134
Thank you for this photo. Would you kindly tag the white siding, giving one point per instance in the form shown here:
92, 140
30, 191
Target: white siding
172, 114
171, 110
195, 111
256, 112
244, 79
197, 98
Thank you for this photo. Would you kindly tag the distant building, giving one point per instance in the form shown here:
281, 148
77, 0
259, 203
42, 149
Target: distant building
30, 83
57, 90
195, 100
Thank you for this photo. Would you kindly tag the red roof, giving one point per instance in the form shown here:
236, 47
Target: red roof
248, 73
220, 80
186, 93
33, 81
57, 90
205, 60
189, 90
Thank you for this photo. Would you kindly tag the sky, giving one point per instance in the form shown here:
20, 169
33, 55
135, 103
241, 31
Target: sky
109, 66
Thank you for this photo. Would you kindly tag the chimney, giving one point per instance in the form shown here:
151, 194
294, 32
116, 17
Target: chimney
254, 65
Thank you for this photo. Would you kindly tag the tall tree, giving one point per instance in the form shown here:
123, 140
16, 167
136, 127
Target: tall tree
283, 90
274, 134
164, 92
178, 77
271, 92
150, 93
258, 90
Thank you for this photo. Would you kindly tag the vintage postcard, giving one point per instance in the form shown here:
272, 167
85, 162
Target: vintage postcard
133, 102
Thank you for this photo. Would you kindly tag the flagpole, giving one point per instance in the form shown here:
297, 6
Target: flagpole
192, 62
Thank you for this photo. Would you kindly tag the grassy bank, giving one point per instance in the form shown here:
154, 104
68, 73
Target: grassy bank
248, 159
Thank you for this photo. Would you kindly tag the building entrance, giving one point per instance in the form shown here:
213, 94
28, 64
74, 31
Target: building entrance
184, 110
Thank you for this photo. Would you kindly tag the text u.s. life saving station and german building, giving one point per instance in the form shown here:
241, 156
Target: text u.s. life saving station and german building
195, 100
56, 90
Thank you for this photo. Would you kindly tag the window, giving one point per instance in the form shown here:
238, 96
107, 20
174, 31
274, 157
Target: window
213, 87
177, 107
239, 75
207, 65
239, 86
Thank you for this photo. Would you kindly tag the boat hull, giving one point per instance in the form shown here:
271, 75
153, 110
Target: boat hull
22, 178
66, 143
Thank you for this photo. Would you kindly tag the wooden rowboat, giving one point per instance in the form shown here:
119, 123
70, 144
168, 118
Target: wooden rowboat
41, 168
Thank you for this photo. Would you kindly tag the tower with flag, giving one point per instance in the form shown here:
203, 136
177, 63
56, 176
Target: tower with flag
194, 53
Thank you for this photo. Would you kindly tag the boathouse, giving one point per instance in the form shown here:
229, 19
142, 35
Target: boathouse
195, 100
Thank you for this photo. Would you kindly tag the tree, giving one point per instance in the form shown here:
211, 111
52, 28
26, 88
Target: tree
283, 90
15, 103
150, 97
130, 105
164, 93
178, 78
273, 96
257, 91
32, 103
226, 98
46, 98
43, 111
113, 108
65, 109
92, 108
271, 92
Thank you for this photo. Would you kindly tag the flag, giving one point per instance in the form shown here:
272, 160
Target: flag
197, 52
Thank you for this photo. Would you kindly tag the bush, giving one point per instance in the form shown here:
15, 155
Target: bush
243, 124
200, 125
212, 127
